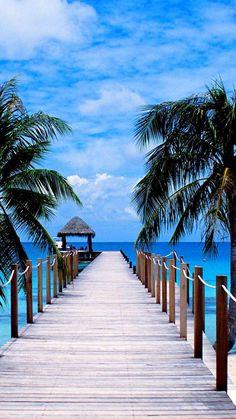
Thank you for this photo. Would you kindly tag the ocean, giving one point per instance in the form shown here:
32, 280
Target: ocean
191, 252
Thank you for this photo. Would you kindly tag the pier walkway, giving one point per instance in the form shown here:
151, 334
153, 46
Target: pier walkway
105, 350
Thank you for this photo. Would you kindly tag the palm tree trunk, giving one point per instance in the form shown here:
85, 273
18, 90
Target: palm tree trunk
232, 304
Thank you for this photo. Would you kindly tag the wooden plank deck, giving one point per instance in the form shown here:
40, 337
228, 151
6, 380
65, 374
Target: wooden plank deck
105, 350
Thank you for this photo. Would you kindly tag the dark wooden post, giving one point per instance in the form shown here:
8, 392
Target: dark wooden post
29, 292
158, 281
48, 281
193, 296
63, 239
14, 302
187, 283
183, 301
55, 277
77, 270
221, 335
60, 276
143, 269
146, 271
172, 292
164, 286
40, 286
137, 263
90, 247
198, 312
65, 271
152, 275
71, 262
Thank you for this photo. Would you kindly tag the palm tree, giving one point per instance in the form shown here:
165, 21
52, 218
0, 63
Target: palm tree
28, 195
191, 172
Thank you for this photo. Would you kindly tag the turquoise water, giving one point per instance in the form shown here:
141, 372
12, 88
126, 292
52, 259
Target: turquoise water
192, 253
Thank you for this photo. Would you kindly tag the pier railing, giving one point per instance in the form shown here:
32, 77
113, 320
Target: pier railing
61, 278
158, 274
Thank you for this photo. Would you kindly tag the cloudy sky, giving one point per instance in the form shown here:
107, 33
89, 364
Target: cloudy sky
94, 64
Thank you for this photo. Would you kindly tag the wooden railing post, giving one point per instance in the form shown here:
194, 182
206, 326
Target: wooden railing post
77, 264
183, 301
71, 260
14, 302
137, 263
149, 272
48, 280
158, 281
153, 266
55, 277
146, 271
164, 285
60, 277
221, 335
143, 268
172, 292
198, 312
29, 292
193, 294
65, 271
40, 285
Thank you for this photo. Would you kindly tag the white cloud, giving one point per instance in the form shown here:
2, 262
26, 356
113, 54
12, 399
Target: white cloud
113, 99
130, 211
76, 180
105, 196
26, 25
99, 156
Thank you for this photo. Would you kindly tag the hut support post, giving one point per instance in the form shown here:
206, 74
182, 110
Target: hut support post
90, 247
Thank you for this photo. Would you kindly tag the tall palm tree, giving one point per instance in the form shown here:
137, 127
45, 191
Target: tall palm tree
191, 172
28, 195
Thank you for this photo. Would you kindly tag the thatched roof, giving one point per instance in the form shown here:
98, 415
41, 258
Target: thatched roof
76, 227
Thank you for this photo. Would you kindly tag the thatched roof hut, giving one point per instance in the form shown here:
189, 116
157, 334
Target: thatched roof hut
76, 227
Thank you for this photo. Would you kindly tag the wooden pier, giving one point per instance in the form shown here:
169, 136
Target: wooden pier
105, 349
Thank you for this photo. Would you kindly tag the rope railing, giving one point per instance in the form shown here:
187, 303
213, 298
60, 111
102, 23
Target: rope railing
176, 268
206, 283
9, 280
229, 293
154, 274
36, 266
165, 266
59, 280
187, 277
24, 272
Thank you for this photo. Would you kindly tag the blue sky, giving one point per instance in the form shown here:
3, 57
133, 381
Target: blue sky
94, 64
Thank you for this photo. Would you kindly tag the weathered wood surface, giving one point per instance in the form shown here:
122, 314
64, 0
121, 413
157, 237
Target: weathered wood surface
105, 350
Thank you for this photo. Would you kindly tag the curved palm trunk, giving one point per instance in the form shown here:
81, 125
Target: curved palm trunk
232, 304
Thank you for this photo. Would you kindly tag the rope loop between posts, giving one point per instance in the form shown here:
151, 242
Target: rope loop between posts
169, 254
175, 254
53, 263
24, 272
36, 266
176, 267
229, 293
159, 262
9, 280
186, 276
205, 283
165, 266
